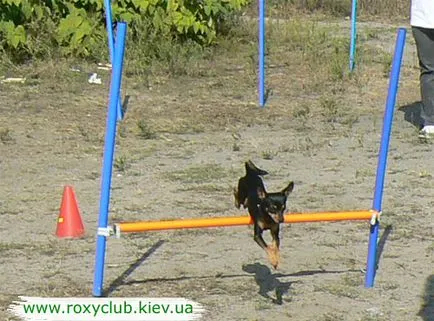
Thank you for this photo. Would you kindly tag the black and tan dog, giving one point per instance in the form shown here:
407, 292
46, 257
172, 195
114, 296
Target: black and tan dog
266, 209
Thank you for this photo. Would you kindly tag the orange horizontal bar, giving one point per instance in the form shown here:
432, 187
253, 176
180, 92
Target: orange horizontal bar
131, 227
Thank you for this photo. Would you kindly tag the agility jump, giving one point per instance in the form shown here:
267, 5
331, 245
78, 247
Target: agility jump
105, 230
226, 221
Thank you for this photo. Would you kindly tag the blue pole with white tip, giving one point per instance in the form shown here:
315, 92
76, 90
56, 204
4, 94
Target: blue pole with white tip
110, 139
371, 265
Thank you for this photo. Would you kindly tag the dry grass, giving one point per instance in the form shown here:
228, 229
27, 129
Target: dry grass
6, 136
385, 8
297, 50
198, 174
389, 9
226, 76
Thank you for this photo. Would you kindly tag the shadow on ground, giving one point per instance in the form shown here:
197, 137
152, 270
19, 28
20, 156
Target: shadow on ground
412, 113
264, 277
427, 309
121, 279
382, 242
268, 281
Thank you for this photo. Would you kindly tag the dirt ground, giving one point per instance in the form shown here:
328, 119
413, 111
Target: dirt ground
180, 151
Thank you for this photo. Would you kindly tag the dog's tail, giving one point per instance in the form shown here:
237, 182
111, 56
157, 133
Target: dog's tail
252, 169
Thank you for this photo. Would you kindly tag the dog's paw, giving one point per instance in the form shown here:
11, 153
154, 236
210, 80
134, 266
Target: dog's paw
246, 203
273, 256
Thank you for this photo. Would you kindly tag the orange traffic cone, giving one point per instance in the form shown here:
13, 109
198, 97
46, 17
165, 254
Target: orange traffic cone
69, 223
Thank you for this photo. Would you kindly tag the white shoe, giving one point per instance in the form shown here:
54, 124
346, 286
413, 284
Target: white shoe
427, 132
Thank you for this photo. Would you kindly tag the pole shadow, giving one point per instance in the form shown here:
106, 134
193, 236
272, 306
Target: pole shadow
264, 277
412, 113
382, 242
120, 280
268, 93
125, 104
232, 276
427, 310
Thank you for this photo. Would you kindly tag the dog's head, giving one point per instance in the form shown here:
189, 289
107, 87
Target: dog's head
274, 204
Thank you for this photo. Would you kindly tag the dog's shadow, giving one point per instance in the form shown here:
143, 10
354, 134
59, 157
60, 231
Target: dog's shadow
268, 282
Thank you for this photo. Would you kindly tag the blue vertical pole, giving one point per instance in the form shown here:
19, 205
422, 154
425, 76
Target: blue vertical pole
261, 52
109, 26
371, 265
353, 34
111, 41
108, 158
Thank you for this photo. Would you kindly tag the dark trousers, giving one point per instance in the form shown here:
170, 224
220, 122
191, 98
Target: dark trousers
425, 51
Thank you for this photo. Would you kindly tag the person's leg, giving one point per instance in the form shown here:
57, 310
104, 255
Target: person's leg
425, 49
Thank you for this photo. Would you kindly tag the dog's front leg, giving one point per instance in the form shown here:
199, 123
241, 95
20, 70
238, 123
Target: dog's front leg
274, 230
236, 198
258, 237
273, 251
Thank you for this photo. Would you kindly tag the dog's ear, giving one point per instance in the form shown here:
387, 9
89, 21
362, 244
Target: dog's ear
288, 189
249, 166
261, 193
253, 169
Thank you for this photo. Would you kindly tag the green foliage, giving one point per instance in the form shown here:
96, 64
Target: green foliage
78, 33
77, 27
14, 35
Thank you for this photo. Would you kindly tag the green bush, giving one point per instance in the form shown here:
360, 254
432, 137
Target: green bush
77, 27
